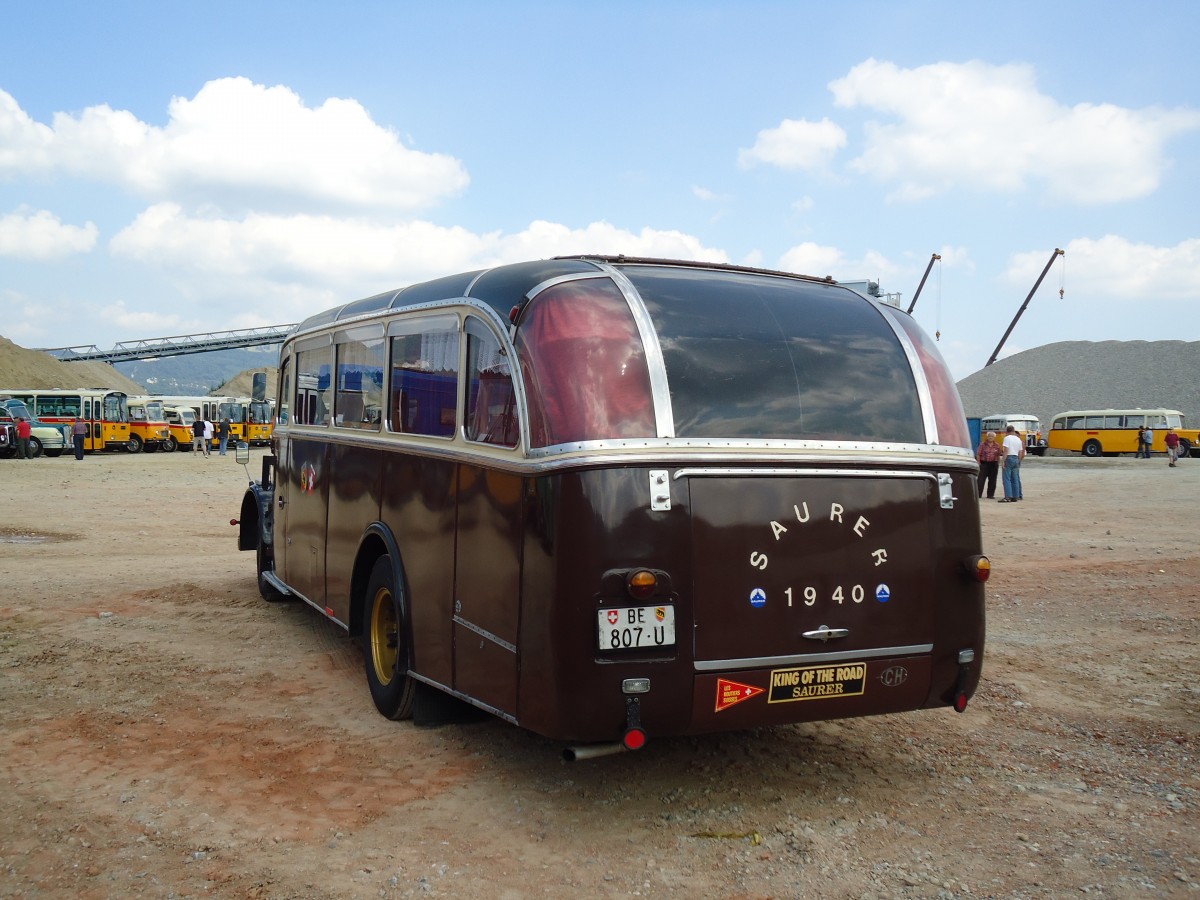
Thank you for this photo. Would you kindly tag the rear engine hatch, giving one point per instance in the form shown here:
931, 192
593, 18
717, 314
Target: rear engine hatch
811, 562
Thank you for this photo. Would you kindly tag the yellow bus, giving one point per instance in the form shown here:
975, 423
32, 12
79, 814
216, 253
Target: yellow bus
1107, 432
105, 412
148, 426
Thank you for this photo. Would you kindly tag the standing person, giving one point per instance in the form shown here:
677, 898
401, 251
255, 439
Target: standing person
988, 455
208, 437
198, 437
223, 429
1141, 447
78, 433
1172, 442
1014, 452
1149, 440
23, 433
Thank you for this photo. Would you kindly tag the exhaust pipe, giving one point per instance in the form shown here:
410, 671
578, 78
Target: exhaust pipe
592, 751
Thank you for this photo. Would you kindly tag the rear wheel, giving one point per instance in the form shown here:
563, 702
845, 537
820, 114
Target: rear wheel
386, 643
1092, 448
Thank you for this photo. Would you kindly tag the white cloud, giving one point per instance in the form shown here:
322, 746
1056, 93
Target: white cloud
1115, 268
812, 259
795, 144
236, 144
980, 126
333, 250
42, 236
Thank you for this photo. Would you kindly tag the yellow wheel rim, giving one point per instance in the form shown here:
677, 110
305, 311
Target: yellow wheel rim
383, 636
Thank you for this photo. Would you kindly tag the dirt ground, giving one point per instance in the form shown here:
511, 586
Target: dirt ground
166, 733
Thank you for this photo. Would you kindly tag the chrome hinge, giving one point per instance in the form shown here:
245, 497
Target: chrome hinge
660, 490
946, 491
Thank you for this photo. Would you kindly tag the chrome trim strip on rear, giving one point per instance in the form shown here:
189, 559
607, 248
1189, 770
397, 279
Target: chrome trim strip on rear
800, 659
814, 473
459, 620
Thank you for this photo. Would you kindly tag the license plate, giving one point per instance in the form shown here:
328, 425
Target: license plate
636, 627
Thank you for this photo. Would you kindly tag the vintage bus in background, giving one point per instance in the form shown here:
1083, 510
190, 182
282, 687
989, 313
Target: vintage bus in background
1028, 427
105, 412
1107, 432
148, 426
250, 420
606, 498
179, 422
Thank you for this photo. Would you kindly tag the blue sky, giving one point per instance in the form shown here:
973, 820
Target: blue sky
171, 168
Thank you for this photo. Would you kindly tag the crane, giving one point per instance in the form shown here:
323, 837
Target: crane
1013, 324
932, 260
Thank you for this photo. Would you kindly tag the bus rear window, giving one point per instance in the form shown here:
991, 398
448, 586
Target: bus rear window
584, 364
778, 359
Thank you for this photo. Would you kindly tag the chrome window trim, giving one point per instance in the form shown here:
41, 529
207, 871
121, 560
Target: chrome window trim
660, 394
800, 659
924, 394
664, 411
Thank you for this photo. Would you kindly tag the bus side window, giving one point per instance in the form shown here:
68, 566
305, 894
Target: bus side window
423, 383
313, 386
491, 399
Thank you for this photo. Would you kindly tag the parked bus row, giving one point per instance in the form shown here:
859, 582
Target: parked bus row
115, 420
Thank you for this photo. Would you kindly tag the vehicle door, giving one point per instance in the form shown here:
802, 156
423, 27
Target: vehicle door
487, 563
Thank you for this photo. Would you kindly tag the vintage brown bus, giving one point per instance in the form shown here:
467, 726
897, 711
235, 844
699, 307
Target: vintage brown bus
607, 498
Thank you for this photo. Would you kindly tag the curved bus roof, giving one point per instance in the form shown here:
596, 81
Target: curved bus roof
725, 352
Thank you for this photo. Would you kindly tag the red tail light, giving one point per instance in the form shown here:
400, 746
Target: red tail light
978, 567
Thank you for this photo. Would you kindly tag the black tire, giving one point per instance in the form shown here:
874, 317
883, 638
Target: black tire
54, 454
1092, 448
170, 445
1185, 448
35, 448
386, 651
264, 559
135, 443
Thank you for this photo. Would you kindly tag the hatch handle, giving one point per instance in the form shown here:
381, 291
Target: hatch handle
824, 633
946, 490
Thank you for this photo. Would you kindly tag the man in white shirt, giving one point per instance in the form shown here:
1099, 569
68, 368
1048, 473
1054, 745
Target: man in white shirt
1014, 452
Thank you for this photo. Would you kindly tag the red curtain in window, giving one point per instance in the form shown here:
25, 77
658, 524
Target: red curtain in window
584, 366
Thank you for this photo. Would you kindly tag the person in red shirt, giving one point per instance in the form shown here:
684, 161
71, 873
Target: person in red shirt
1172, 442
988, 455
23, 433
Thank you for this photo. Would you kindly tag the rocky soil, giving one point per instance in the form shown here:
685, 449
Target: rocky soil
166, 733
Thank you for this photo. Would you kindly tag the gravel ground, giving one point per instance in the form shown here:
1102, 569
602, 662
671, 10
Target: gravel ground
165, 733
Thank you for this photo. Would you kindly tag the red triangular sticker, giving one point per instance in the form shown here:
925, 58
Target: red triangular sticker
731, 693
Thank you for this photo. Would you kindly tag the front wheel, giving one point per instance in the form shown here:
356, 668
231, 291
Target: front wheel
170, 445
1092, 448
35, 448
135, 443
1185, 448
386, 643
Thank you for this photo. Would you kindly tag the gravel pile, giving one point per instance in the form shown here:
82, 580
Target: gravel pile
1054, 378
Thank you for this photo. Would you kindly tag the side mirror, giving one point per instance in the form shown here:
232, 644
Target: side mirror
242, 452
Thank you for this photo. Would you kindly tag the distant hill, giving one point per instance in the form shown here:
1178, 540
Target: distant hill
22, 368
1054, 378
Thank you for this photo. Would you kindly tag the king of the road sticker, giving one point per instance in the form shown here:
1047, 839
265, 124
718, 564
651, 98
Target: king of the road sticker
731, 693
817, 682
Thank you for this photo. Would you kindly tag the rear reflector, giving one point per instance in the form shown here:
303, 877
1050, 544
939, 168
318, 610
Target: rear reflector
635, 739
